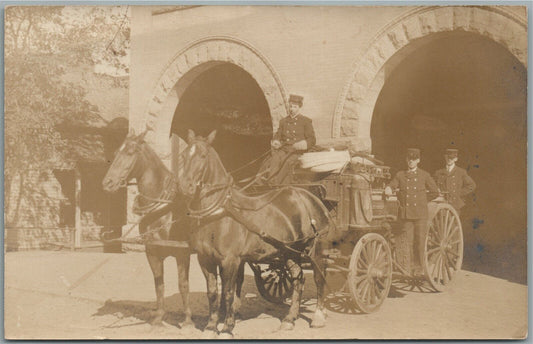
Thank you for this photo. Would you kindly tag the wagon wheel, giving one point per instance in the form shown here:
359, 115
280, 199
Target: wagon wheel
370, 275
443, 250
273, 281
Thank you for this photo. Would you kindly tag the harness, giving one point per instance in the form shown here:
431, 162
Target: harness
167, 195
225, 203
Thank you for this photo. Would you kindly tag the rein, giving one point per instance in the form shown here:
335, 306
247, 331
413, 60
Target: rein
218, 203
167, 195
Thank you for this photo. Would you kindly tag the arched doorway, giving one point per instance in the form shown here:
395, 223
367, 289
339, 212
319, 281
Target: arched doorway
227, 98
465, 91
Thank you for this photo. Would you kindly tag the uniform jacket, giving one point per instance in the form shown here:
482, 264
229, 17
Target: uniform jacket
412, 193
293, 130
457, 183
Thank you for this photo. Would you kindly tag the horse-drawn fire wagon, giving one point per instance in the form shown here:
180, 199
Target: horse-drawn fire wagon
367, 248
331, 217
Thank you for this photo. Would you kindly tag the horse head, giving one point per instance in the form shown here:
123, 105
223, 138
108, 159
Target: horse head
201, 165
121, 170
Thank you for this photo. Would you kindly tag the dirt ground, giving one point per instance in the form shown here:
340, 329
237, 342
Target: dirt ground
66, 295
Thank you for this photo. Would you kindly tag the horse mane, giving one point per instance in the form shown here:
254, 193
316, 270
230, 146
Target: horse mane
151, 156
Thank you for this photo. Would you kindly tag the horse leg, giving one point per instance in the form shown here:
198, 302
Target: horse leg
319, 318
238, 288
157, 266
298, 280
209, 269
229, 274
183, 259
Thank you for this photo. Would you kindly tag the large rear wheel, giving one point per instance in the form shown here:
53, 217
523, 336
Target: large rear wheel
443, 254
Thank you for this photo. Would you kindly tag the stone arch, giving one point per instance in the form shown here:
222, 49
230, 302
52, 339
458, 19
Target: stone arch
353, 114
191, 61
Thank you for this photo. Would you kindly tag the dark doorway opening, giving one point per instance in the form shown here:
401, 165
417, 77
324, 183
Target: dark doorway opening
228, 99
467, 92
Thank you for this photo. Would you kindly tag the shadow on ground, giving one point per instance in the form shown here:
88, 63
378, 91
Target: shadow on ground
252, 306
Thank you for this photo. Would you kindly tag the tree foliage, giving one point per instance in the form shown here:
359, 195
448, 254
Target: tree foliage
42, 44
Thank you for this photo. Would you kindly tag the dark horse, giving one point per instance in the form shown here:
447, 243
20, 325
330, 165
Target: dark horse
234, 228
162, 212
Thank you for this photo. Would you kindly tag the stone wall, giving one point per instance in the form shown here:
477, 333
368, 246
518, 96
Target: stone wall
334, 56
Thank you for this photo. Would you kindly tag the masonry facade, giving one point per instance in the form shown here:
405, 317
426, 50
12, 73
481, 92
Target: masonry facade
337, 57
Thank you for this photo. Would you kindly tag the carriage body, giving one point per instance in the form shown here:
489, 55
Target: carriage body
366, 247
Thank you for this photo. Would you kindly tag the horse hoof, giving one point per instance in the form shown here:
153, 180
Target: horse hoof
318, 323
286, 326
319, 319
225, 335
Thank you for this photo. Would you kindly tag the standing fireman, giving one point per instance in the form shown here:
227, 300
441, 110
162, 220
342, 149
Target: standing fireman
454, 181
412, 186
295, 135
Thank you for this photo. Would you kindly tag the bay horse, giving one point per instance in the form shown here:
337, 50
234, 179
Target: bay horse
234, 228
162, 211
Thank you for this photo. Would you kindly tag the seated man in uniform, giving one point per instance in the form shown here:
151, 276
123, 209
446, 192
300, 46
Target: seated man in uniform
295, 135
412, 186
454, 181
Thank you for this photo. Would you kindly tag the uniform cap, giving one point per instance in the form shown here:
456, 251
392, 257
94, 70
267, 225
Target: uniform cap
413, 153
293, 98
452, 152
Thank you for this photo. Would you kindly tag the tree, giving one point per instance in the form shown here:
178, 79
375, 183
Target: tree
41, 45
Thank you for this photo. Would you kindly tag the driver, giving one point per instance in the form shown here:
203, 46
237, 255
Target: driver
295, 135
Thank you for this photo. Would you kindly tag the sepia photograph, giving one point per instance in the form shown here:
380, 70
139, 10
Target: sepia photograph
265, 172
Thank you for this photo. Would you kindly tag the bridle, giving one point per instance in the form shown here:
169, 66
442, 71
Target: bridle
203, 189
124, 176
166, 196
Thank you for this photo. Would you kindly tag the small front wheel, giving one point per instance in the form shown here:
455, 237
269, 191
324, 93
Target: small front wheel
370, 275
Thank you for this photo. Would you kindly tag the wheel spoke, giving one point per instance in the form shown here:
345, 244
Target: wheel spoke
435, 243
455, 242
442, 225
449, 227
368, 292
372, 293
450, 261
382, 265
359, 279
435, 266
453, 253
445, 227
445, 272
432, 250
286, 284
441, 262
363, 263
367, 256
269, 278
433, 258
269, 286
433, 230
377, 255
363, 288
